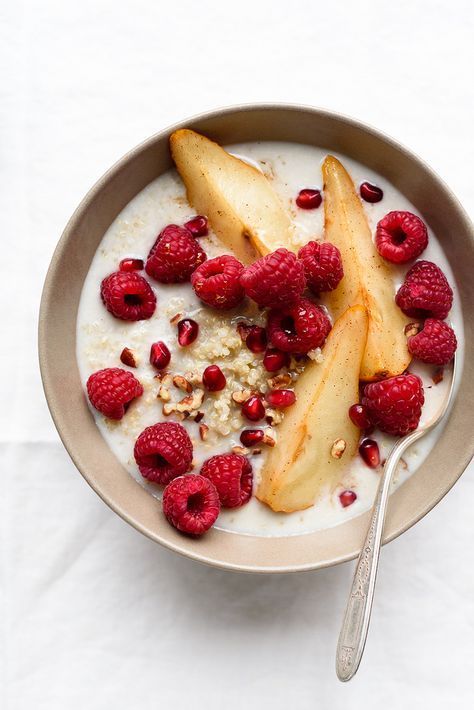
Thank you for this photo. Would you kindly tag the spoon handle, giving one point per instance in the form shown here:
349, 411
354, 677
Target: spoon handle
356, 620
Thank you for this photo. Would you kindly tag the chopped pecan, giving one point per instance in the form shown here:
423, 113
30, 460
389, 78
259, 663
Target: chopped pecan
240, 450
338, 448
241, 396
412, 329
128, 358
268, 437
182, 383
176, 318
164, 394
282, 380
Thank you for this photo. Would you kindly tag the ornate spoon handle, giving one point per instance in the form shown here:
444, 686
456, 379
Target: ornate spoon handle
356, 620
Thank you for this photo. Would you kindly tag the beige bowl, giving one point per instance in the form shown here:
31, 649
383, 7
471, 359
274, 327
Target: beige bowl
57, 335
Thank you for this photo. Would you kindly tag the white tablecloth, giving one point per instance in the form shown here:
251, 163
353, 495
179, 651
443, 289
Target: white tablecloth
94, 615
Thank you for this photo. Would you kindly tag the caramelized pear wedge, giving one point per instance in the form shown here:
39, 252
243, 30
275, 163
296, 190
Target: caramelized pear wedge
367, 277
239, 201
317, 439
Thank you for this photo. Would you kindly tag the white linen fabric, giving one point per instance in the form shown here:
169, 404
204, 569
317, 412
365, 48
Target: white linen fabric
93, 615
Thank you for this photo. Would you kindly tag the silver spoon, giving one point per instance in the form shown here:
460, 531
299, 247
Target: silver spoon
355, 625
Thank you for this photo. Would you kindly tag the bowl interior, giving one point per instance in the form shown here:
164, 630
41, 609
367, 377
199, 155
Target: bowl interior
62, 292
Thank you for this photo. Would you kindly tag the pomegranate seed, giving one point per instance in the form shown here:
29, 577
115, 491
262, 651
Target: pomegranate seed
198, 226
370, 193
309, 199
250, 437
347, 498
256, 340
369, 450
160, 356
274, 360
280, 398
131, 265
359, 415
213, 378
253, 408
188, 331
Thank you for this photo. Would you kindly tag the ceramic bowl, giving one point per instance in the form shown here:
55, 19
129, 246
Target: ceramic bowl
57, 335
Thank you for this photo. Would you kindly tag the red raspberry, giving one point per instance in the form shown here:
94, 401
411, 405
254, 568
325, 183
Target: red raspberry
112, 390
322, 266
191, 504
174, 255
298, 328
232, 476
435, 344
394, 405
274, 280
217, 282
425, 293
128, 296
163, 451
400, 237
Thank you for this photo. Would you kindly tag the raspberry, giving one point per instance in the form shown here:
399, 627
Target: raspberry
322, 265
217, 282
111, 391
394, 405
298, 328
400, 237
163, 451
174, 255
435, 344
232, 476
274, 280
128, 296
191, 504
425, 293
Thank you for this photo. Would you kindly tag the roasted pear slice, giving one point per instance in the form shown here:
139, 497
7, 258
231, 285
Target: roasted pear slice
239, 201
317, 439
367, 277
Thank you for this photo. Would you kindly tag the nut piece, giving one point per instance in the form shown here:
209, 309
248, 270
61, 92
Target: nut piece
164, 394
203, 431
338, 448
438, 375
274, 416
193, 377
269, 437
176, 318
182, 383
191, 402
282, 380
128, 358
199, 416
256, 452
241, 396
240, 450
412, 329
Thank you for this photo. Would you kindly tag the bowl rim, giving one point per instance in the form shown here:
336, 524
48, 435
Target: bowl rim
43, 326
